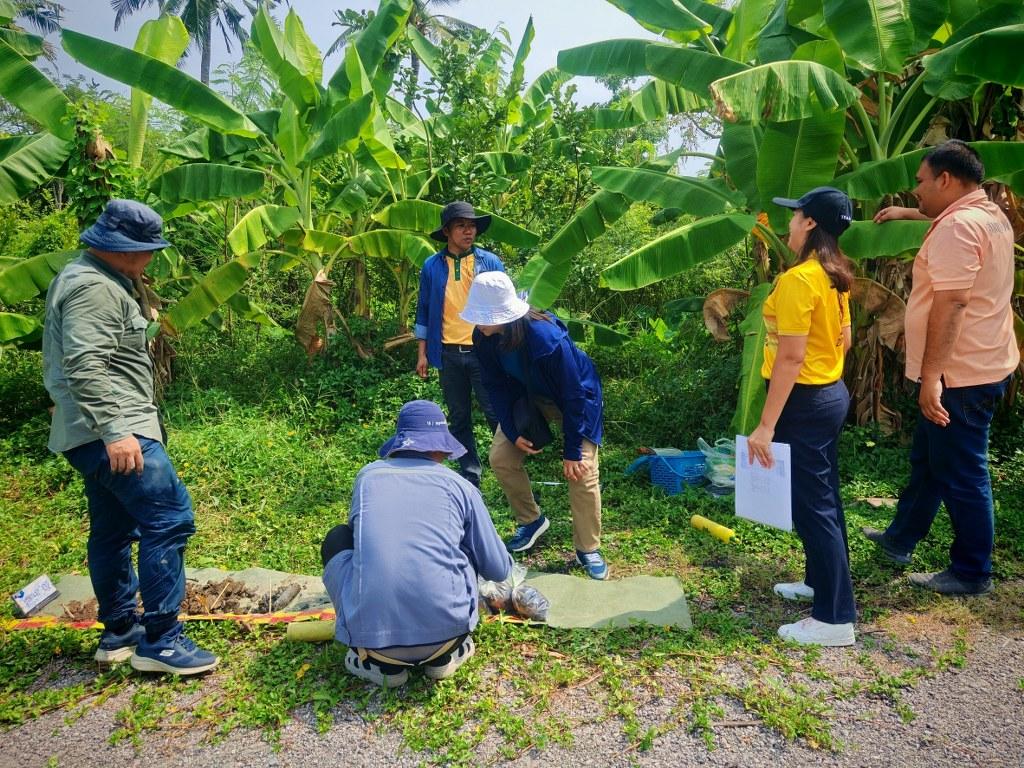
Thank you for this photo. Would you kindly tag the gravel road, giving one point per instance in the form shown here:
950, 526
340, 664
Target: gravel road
972, 716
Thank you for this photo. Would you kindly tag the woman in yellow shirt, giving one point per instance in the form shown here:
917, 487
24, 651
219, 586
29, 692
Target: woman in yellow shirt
807, 317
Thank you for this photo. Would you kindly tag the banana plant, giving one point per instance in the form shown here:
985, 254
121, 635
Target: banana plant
819, 92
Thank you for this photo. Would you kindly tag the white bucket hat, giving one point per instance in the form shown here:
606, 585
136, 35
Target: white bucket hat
492, 300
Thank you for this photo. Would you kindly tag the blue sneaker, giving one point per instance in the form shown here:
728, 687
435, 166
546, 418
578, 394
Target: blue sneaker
526, 535
175, 654
593, 564
115, 647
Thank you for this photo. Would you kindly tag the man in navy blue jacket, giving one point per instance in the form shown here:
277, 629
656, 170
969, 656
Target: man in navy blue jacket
445, 339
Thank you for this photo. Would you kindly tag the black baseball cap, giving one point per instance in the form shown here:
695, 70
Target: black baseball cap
830, 208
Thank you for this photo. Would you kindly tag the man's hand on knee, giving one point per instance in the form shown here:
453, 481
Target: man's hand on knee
125, 456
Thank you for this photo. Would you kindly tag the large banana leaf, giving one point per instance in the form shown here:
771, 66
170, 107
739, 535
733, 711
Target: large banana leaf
207, 144
992, 56
284, 62
200, 182
1002, 159
249, 310
867, 240
795, 157
543, 281
700, 197
689, 68
260, 225
677, 251
506, 163
28, 278
665, 16
30, 91
392, 244
27, 162
927, 16
216, 287
654, 101
618, 58
749, 17
162, 81
739, 144
426, 51
421, 216
784, 90
751, 397
164, 39
604, 335
515, 78
877, 34
372, 43
347, 125
588, 224
778, 39
29, 46
14, 327
307, 54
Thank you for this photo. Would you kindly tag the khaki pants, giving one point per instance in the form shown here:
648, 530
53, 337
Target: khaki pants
584, 495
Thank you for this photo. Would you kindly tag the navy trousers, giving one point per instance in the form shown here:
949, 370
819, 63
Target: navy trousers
810, 423
950, 464
460, 380
153, 509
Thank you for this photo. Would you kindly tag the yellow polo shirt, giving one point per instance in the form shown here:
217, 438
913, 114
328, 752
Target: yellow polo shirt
455, 330
804, 303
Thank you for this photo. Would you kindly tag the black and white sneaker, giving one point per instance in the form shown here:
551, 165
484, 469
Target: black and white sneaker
385, 675
448, 665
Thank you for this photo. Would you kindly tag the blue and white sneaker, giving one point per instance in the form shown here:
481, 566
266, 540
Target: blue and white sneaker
526, 535
115, 647
175, 654
593, 564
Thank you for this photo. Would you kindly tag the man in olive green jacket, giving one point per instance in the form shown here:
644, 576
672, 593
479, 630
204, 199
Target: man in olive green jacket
98, 371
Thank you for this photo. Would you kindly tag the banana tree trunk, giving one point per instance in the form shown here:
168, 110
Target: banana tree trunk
361, 290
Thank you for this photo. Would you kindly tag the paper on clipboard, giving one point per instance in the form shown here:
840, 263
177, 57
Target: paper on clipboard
764, 495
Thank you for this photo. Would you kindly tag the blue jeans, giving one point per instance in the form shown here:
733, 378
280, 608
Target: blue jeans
950, 464
153, 509
810, 423
460, 379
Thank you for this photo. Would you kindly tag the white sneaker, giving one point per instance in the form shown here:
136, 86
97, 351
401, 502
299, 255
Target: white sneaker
810, 631
794, 590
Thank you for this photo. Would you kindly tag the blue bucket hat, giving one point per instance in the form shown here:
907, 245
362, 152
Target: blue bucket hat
423, 428
126, 226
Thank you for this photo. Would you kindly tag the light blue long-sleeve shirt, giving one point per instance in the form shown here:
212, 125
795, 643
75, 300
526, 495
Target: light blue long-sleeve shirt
421, 535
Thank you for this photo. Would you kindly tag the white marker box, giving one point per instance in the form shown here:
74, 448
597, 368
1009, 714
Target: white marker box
35, 595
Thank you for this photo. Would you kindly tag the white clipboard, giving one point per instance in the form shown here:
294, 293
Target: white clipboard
764, 495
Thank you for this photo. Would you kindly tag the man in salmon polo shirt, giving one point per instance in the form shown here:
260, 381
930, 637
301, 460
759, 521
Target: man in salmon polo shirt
961, 351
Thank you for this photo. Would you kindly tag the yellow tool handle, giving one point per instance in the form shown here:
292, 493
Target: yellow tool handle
718, 531
310, 631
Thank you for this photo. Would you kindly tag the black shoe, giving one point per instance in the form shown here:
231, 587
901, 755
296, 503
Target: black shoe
877, 536
948, 583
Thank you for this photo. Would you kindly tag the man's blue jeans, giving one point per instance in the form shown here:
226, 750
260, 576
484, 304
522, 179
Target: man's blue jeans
950, 464
460, 379
153, 509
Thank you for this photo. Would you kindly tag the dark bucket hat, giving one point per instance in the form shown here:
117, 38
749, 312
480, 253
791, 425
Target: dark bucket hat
460, 209
830, 208
126, 226
423, 428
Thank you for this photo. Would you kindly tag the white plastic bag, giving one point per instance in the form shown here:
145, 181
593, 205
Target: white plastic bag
719, 461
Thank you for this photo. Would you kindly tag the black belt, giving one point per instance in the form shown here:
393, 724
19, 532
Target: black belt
767, 384
458, 347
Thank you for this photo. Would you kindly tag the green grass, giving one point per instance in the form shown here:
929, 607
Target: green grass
268, 447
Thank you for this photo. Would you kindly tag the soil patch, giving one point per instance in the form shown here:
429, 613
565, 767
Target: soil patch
225, 596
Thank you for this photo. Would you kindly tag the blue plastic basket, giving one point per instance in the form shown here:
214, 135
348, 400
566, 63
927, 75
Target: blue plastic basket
671, 472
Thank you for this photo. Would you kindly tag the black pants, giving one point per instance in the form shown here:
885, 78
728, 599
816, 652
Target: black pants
460, 380
810, 423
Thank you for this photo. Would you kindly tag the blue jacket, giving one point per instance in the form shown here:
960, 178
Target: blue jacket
411, 578
430, 304
560, 368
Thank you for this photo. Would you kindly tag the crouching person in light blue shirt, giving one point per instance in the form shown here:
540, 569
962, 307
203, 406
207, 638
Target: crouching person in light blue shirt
402, 574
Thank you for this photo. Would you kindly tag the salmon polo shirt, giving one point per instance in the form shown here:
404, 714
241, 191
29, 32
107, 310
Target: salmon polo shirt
969, 245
